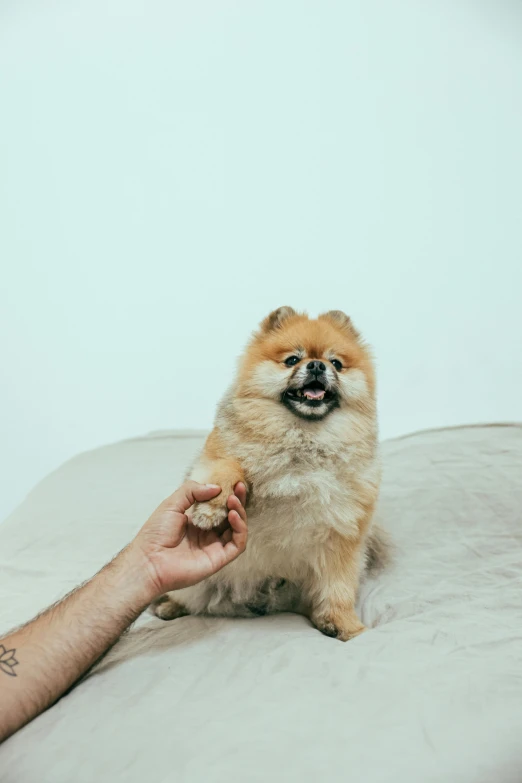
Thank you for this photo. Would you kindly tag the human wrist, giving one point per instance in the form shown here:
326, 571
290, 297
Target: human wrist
134, 576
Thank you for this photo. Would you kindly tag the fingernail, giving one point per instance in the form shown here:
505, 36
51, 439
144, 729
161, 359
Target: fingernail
213, 486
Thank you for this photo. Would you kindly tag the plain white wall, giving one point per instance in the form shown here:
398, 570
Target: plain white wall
172, 171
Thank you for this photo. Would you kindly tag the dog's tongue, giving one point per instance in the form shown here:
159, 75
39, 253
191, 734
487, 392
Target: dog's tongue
313, 394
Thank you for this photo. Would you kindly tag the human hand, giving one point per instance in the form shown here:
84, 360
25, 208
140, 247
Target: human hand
175, 553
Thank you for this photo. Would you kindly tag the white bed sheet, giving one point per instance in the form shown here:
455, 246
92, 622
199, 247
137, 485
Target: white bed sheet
432, 693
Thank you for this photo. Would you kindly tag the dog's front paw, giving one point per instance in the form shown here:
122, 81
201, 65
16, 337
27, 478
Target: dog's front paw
338, 626
209, 514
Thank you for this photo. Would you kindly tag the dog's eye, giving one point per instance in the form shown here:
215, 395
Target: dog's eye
337, 364
291, 361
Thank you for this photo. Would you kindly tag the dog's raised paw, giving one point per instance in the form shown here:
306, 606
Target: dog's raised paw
208, 515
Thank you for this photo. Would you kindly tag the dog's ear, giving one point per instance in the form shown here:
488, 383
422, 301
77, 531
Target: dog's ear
341, 319
276, 318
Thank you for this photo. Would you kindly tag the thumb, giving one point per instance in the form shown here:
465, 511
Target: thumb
189, 493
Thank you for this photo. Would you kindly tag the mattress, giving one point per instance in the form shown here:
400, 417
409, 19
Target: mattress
433, 692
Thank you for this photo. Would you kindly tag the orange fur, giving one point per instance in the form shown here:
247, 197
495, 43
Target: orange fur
334, 590
221, 469
316, 337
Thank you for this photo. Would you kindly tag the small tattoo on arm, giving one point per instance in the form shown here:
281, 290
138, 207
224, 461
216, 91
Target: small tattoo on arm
8, 661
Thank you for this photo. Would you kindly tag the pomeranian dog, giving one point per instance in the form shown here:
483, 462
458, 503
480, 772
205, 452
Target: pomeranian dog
298, 426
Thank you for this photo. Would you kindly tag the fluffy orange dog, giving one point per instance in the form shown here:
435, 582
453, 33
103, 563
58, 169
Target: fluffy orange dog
299, 427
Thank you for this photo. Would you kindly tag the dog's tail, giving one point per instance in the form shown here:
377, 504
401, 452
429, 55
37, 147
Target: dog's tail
378, 549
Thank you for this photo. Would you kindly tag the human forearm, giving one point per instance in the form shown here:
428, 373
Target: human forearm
55, 650
41, 660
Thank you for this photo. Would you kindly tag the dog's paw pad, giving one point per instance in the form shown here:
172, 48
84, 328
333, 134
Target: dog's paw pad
207, 515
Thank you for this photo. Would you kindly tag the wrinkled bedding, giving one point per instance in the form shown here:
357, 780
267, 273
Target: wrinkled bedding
432, 693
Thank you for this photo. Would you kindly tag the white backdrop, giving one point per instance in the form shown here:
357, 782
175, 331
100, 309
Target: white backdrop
170, 172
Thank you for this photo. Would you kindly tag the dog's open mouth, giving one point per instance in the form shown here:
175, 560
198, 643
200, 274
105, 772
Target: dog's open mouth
314, 393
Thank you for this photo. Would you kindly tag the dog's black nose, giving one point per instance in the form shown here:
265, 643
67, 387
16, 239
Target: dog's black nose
316, 367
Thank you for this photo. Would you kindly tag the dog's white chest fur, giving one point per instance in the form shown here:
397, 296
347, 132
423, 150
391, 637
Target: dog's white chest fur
310, 480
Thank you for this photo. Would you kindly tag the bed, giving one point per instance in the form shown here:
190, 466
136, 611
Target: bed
432, 693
